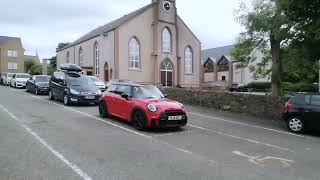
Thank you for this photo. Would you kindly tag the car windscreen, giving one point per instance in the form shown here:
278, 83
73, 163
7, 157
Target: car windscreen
22, 76
125, 81
147, 92
79, 81
94, 79
10, 75
43, 79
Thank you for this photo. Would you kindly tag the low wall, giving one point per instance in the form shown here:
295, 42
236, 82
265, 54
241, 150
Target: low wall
256, 105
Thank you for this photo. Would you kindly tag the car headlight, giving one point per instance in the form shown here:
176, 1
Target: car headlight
180, 105
152, 108
99, 92
72, 91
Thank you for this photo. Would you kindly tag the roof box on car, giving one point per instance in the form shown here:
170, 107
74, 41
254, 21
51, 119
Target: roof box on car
70, 67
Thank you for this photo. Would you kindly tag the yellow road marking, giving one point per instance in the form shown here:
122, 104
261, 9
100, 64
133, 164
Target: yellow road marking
260, 160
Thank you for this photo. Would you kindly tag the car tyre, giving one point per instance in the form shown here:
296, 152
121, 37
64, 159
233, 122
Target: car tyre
296, 124
51, 97
66, 100
103, 109
36, 92
139, 120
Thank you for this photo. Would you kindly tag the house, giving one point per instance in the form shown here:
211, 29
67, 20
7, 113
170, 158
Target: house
220, 68
150, 45
28, 58
11, 55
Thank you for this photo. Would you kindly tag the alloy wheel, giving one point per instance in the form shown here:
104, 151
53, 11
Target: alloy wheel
138, 120
295, 124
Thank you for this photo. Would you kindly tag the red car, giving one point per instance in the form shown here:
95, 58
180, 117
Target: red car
143, 105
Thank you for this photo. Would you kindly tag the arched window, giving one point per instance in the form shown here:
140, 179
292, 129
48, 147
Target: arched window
166, 40
223, 65
96, 58
188, 60
134, 53
80, 57
68, 57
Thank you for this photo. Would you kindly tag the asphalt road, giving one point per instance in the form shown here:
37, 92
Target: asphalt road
42, 139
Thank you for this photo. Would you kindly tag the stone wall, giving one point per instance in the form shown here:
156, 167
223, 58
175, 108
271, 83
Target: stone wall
256, 105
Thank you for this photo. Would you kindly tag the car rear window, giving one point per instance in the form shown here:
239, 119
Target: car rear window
315, 100
307, 99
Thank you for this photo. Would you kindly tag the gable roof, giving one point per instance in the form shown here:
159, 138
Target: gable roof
218, 53
29, 58
5, 39
107, 27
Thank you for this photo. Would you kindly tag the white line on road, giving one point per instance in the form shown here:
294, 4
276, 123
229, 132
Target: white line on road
241, 138
150, 137
126, 129
249, 125
74, 167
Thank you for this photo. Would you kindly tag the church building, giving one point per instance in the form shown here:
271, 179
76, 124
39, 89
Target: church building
151, 45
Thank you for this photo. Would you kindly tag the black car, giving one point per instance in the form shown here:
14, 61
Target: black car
38, 84
302, 112
71, 87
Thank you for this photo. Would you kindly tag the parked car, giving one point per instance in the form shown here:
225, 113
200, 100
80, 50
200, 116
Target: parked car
143, 105
118, 81
302, 112
38, 84
19, 80
7, 80
2, 78
71, 87
240, 88
100, 84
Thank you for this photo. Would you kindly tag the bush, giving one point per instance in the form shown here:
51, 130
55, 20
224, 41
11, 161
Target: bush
262, 86
299, 87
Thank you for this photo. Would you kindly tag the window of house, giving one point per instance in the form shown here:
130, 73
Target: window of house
12, 66
96, 58
134, 53
80, 57
188, 60
166, 40
223, 65
209, 66
68, 57
12, 53
223, 78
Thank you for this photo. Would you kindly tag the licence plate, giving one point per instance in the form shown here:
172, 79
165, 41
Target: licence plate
174, 118
90, 97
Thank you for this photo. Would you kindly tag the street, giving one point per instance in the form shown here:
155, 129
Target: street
42, 139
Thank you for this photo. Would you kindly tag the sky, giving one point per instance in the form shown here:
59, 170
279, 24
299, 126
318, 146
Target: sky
42, 24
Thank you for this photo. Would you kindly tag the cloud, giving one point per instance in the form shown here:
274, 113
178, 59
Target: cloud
42, 24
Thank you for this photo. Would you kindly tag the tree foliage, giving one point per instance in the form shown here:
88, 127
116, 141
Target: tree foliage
266, 31
29, 64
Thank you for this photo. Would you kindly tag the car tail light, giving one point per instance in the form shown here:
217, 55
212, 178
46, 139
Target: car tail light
289, 105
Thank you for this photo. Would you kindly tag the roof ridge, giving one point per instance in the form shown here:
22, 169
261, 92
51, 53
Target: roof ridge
219, 47
107, 27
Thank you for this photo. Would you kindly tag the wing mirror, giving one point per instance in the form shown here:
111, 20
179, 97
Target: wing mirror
165, 95
125, 96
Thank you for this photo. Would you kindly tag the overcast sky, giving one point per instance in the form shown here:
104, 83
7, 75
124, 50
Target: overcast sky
42, 24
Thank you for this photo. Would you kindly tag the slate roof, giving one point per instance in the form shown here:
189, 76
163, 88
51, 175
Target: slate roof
4, 39
29, 58
217, 53
108, 27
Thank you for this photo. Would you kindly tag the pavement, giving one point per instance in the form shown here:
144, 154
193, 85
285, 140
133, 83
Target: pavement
42, 139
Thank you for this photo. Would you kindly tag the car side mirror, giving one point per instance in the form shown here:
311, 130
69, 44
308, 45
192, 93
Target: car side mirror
32, 81
125, 96
165, 95
61, 83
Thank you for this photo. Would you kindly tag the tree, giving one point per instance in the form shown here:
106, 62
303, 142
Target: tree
266, 30
53, 59
29, 64
36, 69
305, 16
